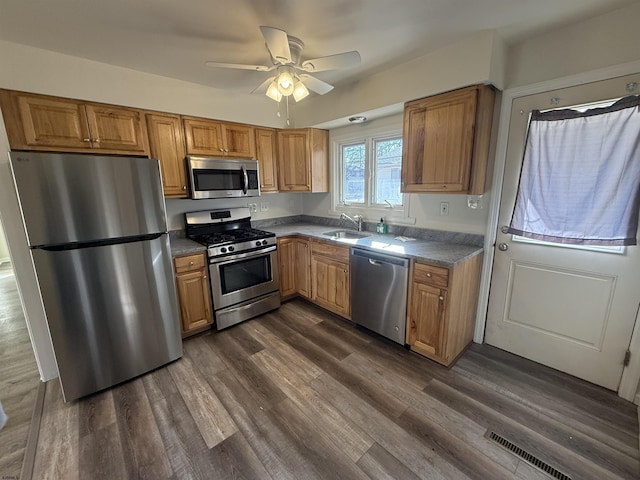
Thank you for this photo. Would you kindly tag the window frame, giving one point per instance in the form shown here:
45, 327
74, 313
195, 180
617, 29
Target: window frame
368, 135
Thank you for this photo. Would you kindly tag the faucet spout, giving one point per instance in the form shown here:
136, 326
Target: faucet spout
356, 220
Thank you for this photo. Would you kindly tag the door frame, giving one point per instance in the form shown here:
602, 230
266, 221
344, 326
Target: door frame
631, 373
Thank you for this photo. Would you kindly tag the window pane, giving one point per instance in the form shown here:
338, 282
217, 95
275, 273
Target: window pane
353, 158
388, 161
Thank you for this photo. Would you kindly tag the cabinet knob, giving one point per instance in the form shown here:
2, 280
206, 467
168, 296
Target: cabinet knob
428, 275
205, 277
184, 187
441, 297
190, 263
346, 271
96, 140
86, 139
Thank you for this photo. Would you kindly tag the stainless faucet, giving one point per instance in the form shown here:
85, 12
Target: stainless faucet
356, 220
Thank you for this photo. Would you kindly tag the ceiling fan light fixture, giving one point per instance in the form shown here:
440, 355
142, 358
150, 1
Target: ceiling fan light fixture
273, 92
285, 83
299, 91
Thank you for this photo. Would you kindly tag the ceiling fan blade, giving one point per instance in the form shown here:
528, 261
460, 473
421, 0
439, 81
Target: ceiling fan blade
318, 86
277, 43
257, 68
331, 62
262, 88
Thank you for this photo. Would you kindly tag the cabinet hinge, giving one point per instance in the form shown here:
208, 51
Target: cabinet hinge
627, 358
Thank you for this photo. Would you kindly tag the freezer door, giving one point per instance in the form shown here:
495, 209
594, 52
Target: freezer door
112, 312
67, 198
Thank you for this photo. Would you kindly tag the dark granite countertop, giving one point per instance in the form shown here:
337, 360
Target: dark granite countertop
447, 254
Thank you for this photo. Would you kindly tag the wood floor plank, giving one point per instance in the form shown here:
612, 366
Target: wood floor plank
238, 459
213, 421
97, 411
397, 441
142, 448
101, 454
458, 391
326, 419
379, 464
58, 449
201, 354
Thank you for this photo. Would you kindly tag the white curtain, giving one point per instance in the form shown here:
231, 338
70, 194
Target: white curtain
580, 180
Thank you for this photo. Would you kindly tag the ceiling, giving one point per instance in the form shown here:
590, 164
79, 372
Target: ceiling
174, 38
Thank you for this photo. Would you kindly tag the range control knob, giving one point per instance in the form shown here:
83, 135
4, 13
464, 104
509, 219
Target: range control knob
231, 249
258, 243
223, 250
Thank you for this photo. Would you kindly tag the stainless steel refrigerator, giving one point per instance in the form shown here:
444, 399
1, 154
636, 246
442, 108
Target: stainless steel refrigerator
96, 226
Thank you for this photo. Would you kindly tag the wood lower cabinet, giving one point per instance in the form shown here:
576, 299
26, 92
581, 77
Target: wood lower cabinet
194, 293
442, 308
330, 277
214, 138
294, 265
266, 153
303, 160
446, 141
39, 122
166, 143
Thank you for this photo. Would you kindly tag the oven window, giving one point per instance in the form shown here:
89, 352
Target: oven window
245, 273
218, 179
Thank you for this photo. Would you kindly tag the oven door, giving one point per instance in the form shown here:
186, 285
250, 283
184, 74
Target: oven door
241, 277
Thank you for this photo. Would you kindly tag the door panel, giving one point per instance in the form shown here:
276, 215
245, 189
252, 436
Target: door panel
567, 308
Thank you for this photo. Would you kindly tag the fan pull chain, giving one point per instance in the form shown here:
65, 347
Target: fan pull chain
288, 123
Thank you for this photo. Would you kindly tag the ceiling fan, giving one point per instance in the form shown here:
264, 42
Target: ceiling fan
293, 75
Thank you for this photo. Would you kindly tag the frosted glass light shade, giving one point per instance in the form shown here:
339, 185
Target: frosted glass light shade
285, 83
273, 92
299, 91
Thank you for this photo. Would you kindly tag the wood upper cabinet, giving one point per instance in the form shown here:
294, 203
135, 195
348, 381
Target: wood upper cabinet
39, 122
446, 141
303, 160
266, 153
166, 143
213, 138
331, 281
194, 294
442, 309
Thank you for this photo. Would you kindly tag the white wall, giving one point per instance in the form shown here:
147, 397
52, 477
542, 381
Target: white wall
476, 59
4, 248
603, 41
425, 208
277, 204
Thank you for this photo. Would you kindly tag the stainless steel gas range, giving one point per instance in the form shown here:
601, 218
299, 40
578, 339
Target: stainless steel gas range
243, 263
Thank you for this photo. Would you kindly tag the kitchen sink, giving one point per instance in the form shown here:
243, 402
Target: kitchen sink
344, 235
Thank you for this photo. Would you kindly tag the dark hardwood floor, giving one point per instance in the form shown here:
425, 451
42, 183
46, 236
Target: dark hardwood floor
19, 377
300, 394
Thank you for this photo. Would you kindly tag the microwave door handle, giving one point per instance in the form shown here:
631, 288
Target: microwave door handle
246, 180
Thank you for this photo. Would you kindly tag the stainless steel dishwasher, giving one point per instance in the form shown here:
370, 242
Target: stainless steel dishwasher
379, 292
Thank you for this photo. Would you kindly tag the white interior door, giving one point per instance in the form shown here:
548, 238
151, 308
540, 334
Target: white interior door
568, 308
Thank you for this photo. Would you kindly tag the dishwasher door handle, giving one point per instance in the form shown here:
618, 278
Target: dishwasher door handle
374, 262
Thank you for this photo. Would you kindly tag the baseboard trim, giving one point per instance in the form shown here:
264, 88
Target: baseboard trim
34, 431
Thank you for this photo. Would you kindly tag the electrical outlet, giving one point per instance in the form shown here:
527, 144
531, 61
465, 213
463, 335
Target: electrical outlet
253, 207
264, 206
474, 202
444, 208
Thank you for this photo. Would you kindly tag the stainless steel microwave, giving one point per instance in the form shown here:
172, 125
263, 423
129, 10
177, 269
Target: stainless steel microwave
223, 177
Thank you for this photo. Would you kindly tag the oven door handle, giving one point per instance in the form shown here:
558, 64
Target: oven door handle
245, 186
232, 258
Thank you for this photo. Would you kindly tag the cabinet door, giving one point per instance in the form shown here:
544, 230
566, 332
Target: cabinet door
238, 140
426, 318
52, 122
119, 129
438, 142
293, 161
266, 154
194, 299
331, 285
204, 137
166, 143
302, 267
287, 266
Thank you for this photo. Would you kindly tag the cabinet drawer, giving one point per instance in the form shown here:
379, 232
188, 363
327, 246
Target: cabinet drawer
334, 252
189, 262
431, 274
